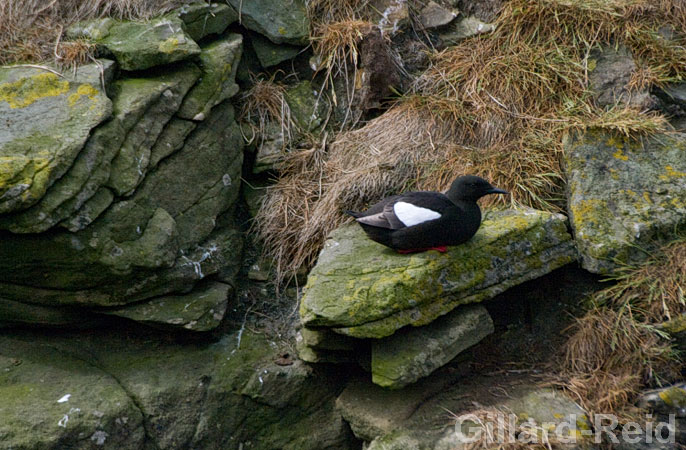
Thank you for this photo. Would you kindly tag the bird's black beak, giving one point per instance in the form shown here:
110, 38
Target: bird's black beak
496, 191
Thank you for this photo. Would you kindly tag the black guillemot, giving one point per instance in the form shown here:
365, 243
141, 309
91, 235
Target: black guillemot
420, 221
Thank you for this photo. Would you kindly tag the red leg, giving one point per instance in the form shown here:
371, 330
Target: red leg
440, 249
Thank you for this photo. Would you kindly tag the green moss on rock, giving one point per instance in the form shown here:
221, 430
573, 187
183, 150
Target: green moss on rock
363, 289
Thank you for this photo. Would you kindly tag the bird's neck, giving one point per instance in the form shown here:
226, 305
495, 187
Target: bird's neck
470, 207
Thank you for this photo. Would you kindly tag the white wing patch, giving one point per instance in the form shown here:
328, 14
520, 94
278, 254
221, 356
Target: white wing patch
410, 214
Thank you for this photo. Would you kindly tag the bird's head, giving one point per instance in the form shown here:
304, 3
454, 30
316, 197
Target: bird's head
471, 187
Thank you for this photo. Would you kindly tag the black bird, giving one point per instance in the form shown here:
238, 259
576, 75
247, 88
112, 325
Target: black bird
420, 221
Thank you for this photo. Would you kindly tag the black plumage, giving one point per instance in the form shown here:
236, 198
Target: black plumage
418, 221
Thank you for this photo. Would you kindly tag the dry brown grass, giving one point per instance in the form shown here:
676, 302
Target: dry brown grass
496, 105
31, 30
265, 104
610, 357
654, 291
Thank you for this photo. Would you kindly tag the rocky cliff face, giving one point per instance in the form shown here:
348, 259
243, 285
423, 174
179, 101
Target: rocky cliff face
124, 310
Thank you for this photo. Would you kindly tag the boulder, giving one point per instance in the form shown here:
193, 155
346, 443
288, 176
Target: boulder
139, 45
610, 71
219, 63
116, 155
73, 391
202, 19
282, 23
270, 54
624, 196
47, 120
160, 240
412, 353
365, 290
434, 15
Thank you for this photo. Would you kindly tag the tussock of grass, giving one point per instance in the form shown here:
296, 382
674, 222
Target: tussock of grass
610, 357
615, 351
265, 104
495, 105
31, 30
654, 291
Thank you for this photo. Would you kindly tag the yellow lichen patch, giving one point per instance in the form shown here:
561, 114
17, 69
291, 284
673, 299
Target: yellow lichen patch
168, 45
620, 155
615, 142
586, 211
670, 172
85, 90
23, 92
646, 197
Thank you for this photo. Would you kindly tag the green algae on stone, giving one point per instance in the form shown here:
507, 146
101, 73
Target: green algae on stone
46, 121
413, 353
157, 241
54, 399
164, 95
202, 309
138, 45
280, 22
624, 196
202, 19
117, 152
218, 63
363, 289
271, 54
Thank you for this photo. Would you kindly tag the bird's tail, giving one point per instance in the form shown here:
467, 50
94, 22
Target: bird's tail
355, 214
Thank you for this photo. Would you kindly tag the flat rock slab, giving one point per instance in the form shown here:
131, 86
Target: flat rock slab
46, 121
365, 290
202, 309
413, 353
138, 45
624, 196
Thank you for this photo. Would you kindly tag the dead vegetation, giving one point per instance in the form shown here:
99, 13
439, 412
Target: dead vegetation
263, 105
496, 105
616, 349
32, 30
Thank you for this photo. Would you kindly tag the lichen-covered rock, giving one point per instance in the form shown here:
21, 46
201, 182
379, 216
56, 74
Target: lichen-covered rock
73, 391
668, 400
218, 62
116, 155
161, 97
282, 22
138, 45
54, 399
155, 242
434, 15
46, 121
202, 19
363, 289
624, 196
202, 309
413, 353
271, 54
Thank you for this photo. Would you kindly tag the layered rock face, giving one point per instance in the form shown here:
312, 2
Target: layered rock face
117, 184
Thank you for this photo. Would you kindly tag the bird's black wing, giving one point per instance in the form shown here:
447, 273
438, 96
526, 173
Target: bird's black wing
405, 210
